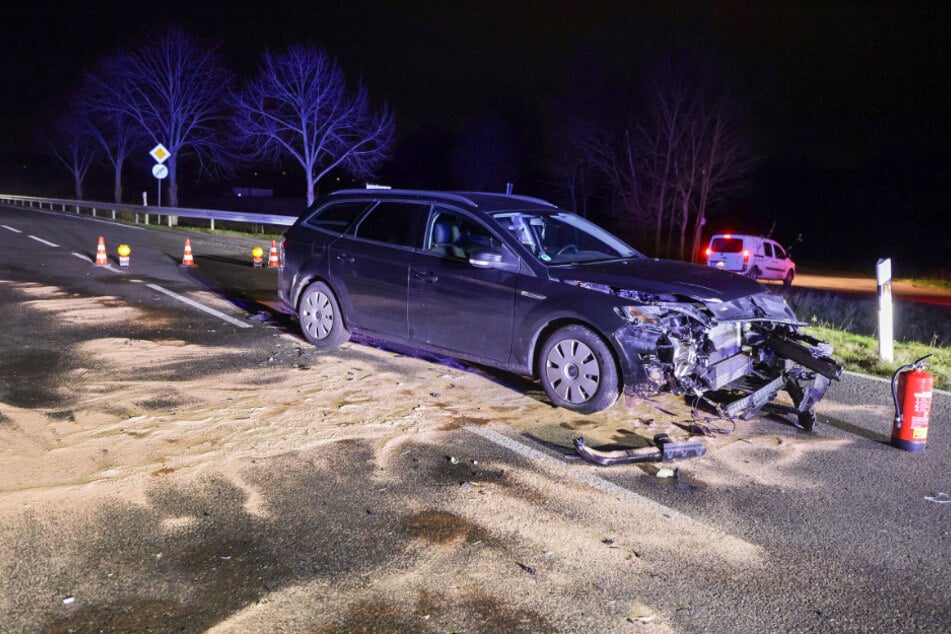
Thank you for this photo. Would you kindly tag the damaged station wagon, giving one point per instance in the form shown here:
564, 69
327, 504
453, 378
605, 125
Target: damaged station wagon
519, 284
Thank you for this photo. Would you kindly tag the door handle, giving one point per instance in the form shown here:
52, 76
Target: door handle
426, 276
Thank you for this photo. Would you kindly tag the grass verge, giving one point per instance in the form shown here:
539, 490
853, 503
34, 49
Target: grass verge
851, 326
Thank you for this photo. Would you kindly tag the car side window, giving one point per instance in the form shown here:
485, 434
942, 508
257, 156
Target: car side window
337, 217
768, 249
455, 235
779, 252
395, 223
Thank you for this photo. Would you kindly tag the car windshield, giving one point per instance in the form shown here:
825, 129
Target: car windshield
563, 237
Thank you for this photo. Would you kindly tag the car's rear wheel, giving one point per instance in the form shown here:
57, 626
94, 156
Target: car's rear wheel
790, 275
578, 371
320, 318
753, 273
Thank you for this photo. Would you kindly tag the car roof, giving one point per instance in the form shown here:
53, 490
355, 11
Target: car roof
481, 201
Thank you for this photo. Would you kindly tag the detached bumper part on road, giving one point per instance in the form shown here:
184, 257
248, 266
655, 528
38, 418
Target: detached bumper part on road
664, 451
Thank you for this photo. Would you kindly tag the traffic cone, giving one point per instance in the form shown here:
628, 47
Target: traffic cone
188, 260
273, 259
101, 258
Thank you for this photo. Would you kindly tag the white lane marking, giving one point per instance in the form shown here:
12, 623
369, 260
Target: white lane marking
9, 228
86, 258
582, 476
202, 307
46, 242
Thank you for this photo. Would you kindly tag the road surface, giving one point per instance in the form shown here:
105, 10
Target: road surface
194, 466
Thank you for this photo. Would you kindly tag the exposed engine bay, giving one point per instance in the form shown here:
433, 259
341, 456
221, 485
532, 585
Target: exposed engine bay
736, 355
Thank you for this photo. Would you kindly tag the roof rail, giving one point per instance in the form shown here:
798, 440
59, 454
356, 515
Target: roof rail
457, 197
528, 199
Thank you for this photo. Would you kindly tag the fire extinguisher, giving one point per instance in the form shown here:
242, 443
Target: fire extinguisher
911, 391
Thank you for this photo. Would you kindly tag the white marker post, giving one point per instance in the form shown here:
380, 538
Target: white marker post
883, 275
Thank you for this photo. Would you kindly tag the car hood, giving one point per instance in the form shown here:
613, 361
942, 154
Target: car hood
726, 295
662, 277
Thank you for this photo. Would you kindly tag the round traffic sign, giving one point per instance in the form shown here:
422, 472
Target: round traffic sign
159, 171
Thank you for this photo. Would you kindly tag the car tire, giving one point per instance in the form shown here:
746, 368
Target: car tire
321, 320
578, 371
753, 273
790, 275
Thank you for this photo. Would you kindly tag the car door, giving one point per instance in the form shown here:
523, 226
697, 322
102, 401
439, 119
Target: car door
370, 267
775, 262
454, 305
783, 262
767, 262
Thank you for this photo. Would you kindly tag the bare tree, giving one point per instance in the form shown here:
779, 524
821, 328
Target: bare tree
173, 89
671, 158
113, 129
68, 139
673, 105
574, 170
299, 105
725, 157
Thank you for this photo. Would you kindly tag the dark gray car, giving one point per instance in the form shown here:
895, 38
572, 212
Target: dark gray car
519, 284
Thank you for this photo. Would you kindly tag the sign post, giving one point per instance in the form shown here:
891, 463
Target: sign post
160, 153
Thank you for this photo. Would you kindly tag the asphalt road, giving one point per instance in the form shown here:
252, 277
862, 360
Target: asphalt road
853, 537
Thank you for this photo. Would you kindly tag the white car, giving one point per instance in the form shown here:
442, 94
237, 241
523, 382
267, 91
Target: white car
754, 256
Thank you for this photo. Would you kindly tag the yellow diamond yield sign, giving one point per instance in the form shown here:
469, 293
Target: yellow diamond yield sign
160, 153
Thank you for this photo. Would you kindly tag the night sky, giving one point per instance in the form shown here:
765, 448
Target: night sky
849, 105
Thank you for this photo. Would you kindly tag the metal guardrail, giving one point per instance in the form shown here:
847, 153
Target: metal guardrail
142, 213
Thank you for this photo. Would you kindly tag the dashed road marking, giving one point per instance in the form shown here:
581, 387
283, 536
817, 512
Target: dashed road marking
86, 258
46, 242
580, 475
9, 228
199, 306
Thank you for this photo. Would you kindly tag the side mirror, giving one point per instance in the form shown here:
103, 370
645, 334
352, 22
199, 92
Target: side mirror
486, 260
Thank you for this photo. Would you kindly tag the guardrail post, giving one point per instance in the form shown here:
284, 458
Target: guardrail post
93, 212
212, 224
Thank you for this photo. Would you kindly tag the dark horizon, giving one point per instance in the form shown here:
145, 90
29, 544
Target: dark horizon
848, 105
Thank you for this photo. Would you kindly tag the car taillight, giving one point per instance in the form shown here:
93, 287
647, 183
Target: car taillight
746, 256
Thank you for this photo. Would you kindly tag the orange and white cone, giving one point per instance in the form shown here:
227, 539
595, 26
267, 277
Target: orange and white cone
188, 259
273, 259
101, 258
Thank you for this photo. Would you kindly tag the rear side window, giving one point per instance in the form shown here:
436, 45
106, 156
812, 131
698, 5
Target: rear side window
395, 223
337, 218
768, 248
727, 245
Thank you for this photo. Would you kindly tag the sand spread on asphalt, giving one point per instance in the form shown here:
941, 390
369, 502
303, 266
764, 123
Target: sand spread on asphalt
519, 544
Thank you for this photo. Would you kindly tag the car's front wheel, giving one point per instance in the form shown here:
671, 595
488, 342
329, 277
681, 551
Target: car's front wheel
320, 318
790, 274
578, 371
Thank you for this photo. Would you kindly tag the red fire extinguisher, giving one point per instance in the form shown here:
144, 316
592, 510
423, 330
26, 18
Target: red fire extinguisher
912, 394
